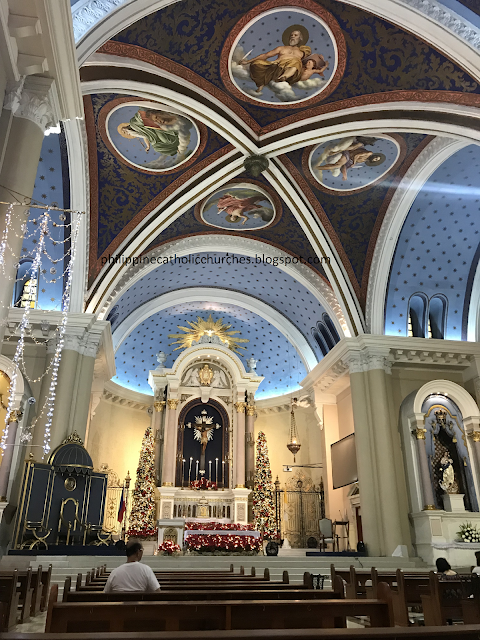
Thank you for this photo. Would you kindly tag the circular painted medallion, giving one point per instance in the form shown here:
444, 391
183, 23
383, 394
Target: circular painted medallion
353, 162
285, 55
150, 136
238, 207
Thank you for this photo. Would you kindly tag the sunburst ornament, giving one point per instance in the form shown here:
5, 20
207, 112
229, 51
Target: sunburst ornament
204, 330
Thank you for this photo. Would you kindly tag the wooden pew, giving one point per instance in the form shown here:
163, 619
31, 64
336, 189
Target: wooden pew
212, 614
45, 580
25, 590
458, 632
248, 593
10, 600
444, 600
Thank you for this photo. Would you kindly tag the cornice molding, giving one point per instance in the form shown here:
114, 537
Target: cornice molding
439, 150
87, 14
116, 394
31, 98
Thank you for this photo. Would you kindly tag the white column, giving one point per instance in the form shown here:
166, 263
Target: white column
239, 461
250, 444
6, 466
157, 430
170, 444
427, 489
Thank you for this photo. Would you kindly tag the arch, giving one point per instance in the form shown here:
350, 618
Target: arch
275, 318
417, 315
437, 315
325, 333
429, 160
461, 397
331, 327
320, 341
12, 371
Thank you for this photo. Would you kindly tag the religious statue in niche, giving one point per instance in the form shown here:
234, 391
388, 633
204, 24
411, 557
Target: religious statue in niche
295, 69
353, 162
447, 481
150, 137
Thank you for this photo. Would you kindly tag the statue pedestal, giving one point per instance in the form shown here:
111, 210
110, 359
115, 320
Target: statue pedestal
453, 502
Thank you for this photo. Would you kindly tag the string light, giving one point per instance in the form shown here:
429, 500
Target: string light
23, 330
6, 229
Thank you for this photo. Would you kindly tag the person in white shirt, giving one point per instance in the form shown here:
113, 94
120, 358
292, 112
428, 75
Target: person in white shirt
132, 576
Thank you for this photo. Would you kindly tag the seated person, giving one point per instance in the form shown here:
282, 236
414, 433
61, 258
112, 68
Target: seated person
132, 576
444, 568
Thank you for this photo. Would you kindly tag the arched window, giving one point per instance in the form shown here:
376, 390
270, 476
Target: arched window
113, 315
331, 327
26, 285
322, 329
437, 316
417, 315
321, 342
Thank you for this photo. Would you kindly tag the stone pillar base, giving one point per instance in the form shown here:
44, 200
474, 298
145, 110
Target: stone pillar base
453, 502
241, 505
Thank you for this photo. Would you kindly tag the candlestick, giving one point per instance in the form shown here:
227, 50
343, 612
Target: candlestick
223, 473
216, 470
210, 470
183, 471
190, 472
196, 472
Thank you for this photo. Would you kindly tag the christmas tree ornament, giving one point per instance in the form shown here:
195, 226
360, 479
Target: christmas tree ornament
263, 502
142, 515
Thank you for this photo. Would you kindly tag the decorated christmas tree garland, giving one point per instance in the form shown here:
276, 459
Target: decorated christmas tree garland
142, 516
263, 503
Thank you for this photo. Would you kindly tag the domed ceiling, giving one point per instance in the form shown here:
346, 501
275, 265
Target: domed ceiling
344, 107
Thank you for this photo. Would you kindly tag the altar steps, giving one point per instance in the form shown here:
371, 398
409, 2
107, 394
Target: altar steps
63, 566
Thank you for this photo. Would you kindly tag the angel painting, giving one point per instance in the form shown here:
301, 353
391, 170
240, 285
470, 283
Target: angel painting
239, 204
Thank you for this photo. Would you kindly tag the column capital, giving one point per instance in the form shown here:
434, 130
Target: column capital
240, 406
419, 433
475, 435
250, 409
159, 405
172, 403
30, 98
360, 361
15, 416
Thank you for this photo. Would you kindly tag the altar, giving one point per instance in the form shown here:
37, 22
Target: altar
203, 426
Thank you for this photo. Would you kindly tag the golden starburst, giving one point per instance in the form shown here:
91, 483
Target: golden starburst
207, 327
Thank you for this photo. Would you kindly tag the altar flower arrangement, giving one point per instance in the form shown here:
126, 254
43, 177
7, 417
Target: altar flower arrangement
219, 543
469, 532
203, 483
218, 526
169, 548
144, 534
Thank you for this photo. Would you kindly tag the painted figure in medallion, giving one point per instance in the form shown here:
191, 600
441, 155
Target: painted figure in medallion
347, 154
240, 203
293, 62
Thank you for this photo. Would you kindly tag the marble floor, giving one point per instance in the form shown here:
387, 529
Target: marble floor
34, 625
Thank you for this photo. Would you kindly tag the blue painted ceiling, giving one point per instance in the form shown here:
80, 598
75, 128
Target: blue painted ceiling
262, 282
438, 245
277, 359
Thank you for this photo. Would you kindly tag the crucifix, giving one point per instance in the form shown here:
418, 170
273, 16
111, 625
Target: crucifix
203, 432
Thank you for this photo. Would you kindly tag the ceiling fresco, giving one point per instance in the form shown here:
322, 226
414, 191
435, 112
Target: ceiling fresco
277, 359
122, 194
273, 80
377, 57
349, 215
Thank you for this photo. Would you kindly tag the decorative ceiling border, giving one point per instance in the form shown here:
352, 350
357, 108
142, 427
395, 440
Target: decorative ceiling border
314, 8
308, 174
323, 218
101, 124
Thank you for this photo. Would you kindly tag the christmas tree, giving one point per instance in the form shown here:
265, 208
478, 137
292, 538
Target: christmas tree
142, 515
263, 503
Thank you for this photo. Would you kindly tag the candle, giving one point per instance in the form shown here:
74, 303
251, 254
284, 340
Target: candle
190, 472
210, 470
223, 472
183, 470
216, 469
196, 472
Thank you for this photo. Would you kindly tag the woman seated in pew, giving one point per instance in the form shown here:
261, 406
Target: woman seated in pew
444, 568
132, 576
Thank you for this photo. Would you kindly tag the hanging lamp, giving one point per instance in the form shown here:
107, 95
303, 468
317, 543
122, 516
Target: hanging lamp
294, 444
